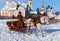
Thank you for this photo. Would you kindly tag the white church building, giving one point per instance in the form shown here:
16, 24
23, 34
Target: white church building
49, 12
10, 9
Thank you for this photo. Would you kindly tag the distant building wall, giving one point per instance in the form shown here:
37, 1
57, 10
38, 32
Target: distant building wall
10, 9
9, 13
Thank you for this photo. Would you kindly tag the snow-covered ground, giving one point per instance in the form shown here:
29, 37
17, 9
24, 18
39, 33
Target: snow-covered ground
51, 33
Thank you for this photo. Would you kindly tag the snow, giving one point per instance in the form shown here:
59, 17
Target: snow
51, 33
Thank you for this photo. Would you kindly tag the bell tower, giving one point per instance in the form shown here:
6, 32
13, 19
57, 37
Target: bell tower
42, 8
7, 2
42, 5
30, 4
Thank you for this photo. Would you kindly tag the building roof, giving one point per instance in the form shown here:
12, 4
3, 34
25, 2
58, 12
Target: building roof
13, 5
49, 7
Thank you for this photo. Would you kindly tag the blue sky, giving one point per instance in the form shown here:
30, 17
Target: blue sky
37, 4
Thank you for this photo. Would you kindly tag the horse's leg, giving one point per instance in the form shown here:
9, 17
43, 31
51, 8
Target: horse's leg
27, 29
41, 32
24, 27
39, 29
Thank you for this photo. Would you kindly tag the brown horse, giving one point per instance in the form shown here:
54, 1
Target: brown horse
37, 19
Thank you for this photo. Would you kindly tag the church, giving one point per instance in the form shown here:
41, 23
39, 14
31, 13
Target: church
12, 8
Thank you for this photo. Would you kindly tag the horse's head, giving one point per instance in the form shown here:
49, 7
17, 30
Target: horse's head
44, 20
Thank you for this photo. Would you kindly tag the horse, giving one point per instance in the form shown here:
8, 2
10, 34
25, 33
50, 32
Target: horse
29, 23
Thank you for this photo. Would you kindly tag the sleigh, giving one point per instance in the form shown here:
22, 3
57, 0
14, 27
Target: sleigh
18, 25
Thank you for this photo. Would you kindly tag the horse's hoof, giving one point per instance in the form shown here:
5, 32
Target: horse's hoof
28, 33
42, 35
37, 35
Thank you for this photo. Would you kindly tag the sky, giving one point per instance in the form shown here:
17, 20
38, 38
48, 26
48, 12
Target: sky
55, 4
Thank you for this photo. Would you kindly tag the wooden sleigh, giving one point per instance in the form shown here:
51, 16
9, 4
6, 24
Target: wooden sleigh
17, 25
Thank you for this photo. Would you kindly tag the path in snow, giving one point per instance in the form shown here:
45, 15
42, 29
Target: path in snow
51, 32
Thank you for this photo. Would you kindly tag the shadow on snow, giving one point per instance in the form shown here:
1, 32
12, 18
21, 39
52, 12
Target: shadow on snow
51, 30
